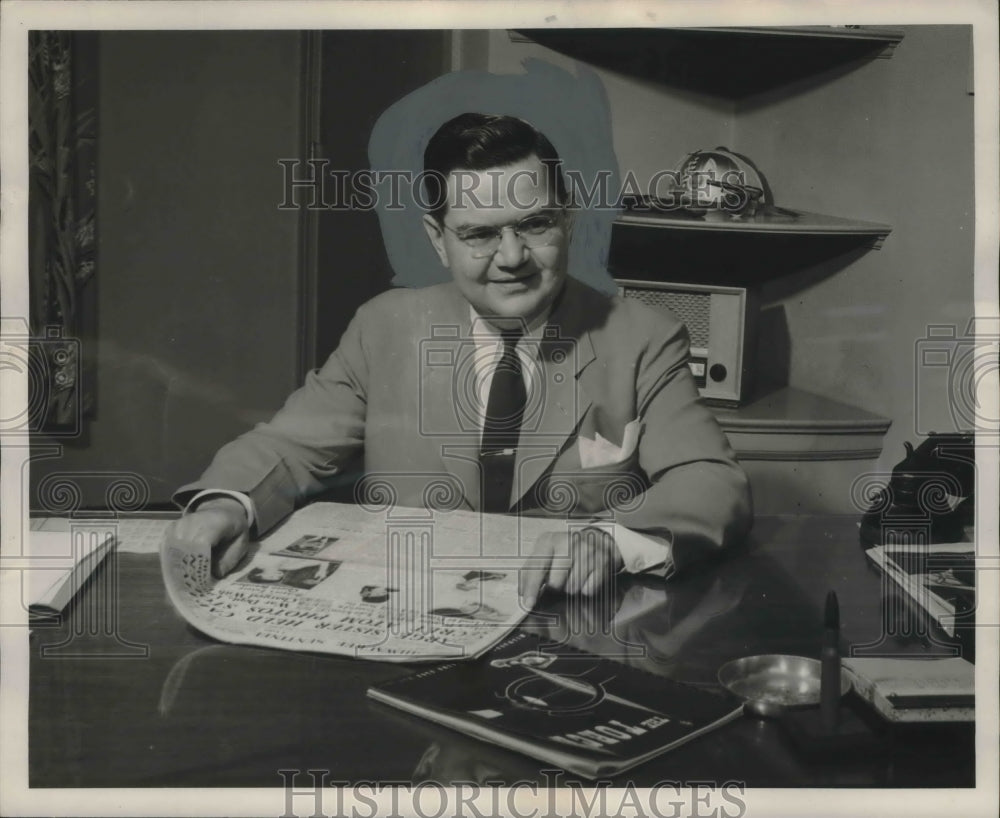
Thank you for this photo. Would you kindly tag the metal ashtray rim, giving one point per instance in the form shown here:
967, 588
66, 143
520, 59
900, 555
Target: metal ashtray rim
772, 683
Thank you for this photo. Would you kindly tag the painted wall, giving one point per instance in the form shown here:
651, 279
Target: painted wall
653, 128
887, 141
197, 266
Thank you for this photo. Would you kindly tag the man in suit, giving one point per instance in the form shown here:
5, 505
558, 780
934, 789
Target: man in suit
512, 388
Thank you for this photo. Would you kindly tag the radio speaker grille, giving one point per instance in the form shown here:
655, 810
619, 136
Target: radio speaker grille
694, 309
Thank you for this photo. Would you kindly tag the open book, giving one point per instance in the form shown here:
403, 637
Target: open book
396, 584
589, 715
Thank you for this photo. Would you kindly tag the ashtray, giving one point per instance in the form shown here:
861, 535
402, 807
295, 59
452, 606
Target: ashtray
773, 683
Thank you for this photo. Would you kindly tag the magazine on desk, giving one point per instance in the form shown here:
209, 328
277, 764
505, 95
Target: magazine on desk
586, 714
396, 585
940, 578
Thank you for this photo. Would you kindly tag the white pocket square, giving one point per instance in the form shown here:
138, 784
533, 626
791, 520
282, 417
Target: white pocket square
602, 452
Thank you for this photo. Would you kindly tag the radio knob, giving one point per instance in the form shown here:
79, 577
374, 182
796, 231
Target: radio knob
717, 372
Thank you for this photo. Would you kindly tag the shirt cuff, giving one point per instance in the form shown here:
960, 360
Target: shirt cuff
244, 499
639, 552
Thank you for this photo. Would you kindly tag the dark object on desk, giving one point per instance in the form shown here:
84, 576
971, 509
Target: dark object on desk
831, 730
829, 689
772, 684
854, 735
589, 715
930, 497
916, 533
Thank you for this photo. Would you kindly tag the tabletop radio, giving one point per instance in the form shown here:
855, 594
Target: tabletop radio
722, 324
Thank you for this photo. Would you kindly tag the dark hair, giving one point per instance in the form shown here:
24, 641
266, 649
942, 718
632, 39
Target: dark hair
473, 141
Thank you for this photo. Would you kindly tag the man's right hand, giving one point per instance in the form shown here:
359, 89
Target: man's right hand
219, 525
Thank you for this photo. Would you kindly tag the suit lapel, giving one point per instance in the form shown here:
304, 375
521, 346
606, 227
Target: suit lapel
558, 403
450, 411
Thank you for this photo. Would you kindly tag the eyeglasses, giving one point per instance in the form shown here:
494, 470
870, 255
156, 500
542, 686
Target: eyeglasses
536, 230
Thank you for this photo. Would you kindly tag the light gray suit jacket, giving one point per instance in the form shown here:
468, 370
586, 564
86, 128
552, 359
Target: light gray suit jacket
398, 389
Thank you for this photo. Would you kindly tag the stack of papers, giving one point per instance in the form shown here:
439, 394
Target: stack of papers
58, 567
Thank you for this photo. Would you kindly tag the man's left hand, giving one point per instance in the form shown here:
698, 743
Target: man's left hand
577, 561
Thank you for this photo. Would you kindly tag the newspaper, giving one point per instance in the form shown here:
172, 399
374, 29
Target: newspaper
392, 584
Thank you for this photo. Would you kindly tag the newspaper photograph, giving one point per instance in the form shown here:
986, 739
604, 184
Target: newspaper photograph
402, 585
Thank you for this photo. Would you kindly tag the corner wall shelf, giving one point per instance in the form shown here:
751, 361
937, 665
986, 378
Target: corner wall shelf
728, 62
792, 425
802, 450
737, 252
791, 222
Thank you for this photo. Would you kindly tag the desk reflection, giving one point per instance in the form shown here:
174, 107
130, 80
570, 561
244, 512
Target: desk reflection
198, 713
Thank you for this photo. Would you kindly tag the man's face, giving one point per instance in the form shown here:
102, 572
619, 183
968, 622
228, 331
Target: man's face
516, 281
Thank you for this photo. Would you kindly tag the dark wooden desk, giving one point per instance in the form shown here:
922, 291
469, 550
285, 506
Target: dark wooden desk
150, 702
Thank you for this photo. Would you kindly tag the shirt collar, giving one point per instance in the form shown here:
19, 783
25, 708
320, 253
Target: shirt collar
483, 330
